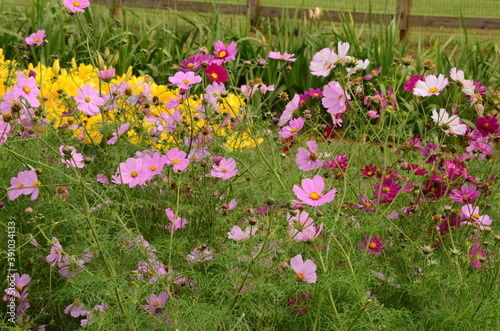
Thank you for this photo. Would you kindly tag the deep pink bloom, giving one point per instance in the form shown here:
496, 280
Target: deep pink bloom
283, 57
369, 171
55, 255
488, 125
132, 172
335, 98
224, 53
184, 79
308, 160
89, 100
387, 190
156, 302
36, 38
305, 270
410, 84
293, 127
365, 204
338, 165
216, 73
312, 192
27, 89
374, 244
470, 214
478, 255
465, 195
25, 183
191, 64
76, 6
178, 158
314, 93
237, 234
225, 169
176, 222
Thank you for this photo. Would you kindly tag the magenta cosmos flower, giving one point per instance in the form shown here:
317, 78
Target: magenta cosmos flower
36, 38
25, 183
308, 160
293, 128
224, 53
335, 98
312, 192
465, 195
89, 100
225, 169
373, 243
184, 79
216, 73
306, 271
471, 216
76, 6
156, 302
283, 57
431, 86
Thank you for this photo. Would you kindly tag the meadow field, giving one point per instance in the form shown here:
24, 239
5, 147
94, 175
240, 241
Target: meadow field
182, 171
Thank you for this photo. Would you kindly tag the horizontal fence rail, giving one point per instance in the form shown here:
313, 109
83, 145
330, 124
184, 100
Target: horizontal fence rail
253, 8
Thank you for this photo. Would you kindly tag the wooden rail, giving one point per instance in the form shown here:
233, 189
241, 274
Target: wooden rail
255, 10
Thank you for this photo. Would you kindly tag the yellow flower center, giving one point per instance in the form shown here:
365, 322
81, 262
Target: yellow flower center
313, 156
214, 75
476, 216
190, 65
222, 53
294, 130
134, 174
300, 276
314, 196
185, 81
175, 161
153, 168
20, 185
465, 198
36, 183
373, 245
433, 90
156, 304
19, 288
223, 170
367, 204
26, 89
387, 189
88, 99
76, 4
37, 39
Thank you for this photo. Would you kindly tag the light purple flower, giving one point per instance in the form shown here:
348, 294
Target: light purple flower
292, 129
176, 222
305, 270
308, 160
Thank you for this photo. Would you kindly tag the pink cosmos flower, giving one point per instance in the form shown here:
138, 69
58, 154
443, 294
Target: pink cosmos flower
374, 244
176, 223
191, 64
237, 234
302, 228
25, 183
335, 98
312, 192
76, 6
199, 254
323, 62
431, 86
308, 160
306, 271
291, 106
36, 38
76, 309
4, 129
387, 190
224, 53
365, 204
106, 75
89, 100
292, 129
184, 79
449, 124
55, 255
488, 125
27, 89
20, 284
70, 157
471, 214
121, 130
153, 164
465, 195
156, 302
178, 158
216, 73
225, 169
283, 57
132, 172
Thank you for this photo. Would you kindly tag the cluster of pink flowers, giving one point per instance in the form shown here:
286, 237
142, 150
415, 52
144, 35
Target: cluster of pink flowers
302, 228
77, 309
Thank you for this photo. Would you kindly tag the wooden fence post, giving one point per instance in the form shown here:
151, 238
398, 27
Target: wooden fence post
403, 11
254, 10
116, 11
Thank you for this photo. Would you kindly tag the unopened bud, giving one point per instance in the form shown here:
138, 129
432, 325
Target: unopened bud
427, 250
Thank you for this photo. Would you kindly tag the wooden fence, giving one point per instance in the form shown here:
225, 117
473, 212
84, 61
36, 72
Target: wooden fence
255, 10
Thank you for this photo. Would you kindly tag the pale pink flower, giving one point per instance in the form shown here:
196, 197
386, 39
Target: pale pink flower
55, 255
178, 158
305, 270
431, 86
132, 172
302, 227
121, 130
153, 164
308, 160
4, 129
76, 310
76, 6
25, 183
225, 169
312, 192
323, 62
335, 98
176, 222
89, 100
283, 57
184, 79
291, 106
237, 234
36, 38
70, 157
156, 302
27, 89
470, 214
292, 129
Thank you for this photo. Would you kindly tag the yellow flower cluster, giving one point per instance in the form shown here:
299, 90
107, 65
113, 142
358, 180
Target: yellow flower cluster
58, 86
